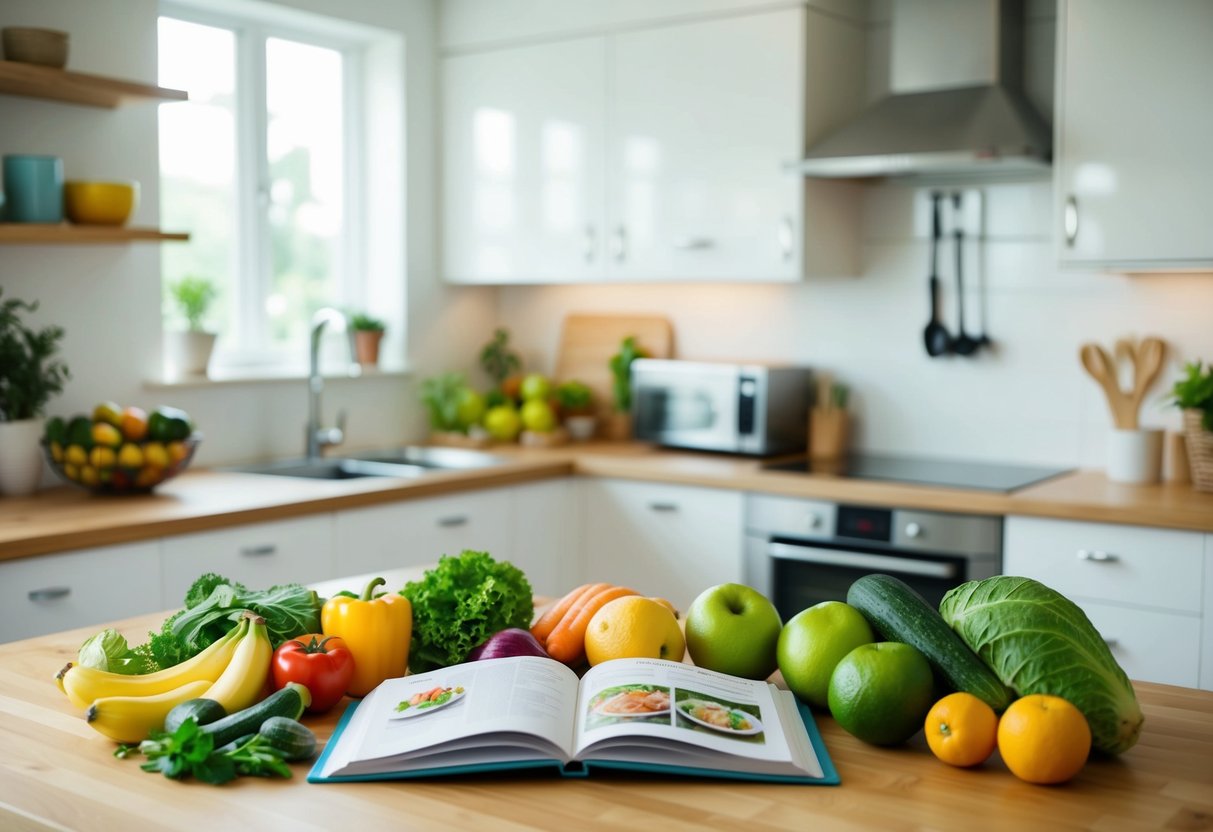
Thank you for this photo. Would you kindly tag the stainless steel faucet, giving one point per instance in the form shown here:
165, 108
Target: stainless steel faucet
319, 437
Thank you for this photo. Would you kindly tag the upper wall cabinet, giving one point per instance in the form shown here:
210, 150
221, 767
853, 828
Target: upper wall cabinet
1134, 178
649, 154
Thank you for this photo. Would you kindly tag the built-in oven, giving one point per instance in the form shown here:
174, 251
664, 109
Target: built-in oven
801, 552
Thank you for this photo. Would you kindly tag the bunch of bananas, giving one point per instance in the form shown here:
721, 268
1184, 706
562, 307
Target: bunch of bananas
232, 672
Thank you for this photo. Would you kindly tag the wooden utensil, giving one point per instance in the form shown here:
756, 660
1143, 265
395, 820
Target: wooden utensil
1098, 364
1147, 364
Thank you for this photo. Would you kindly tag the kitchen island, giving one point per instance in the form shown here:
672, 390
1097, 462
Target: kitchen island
60, 774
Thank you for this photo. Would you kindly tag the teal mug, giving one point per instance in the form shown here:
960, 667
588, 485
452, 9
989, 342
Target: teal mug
33, 188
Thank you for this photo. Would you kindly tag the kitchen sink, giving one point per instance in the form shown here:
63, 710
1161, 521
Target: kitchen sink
407, 462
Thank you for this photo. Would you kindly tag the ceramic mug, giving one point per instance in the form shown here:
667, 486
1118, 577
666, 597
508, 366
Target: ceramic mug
33, 188
1135, 456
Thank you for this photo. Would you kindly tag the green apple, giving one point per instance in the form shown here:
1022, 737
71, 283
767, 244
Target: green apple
470, 409
813, 642
503, 423
537, 415
734, 629
535, 386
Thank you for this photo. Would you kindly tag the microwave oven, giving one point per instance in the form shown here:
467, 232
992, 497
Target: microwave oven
750, 409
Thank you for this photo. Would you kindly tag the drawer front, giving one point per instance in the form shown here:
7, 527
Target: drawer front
1128, 564
258, 555
419, 532
58, 592
1150, 646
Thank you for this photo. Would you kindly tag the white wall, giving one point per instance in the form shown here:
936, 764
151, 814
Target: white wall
108, 297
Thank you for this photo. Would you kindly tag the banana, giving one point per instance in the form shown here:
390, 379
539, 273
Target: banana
243, 682
132, 718
85, 685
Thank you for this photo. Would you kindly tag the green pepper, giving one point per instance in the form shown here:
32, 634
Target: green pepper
168, 424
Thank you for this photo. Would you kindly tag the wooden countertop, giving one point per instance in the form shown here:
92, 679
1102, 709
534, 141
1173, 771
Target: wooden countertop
61, 519
58, 773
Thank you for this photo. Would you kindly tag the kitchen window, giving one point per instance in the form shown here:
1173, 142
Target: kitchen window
265, 167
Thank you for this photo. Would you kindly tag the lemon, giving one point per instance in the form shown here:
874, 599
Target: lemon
106, 434
813, 642
102, 457
89, 475
76, 455
155, 454
634, 627
882, 692
130, 456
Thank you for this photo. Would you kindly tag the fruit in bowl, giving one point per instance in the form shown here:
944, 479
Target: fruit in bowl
121, 450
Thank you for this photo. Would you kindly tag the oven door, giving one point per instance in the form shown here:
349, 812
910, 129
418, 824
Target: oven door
686, 406
803, 574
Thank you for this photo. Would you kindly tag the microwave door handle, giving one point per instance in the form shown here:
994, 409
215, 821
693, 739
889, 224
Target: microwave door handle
862, 560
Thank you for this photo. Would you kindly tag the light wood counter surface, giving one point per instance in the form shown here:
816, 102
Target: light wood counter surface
59, 774
65, 518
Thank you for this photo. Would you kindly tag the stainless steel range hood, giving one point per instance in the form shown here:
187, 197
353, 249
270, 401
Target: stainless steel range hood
956, 106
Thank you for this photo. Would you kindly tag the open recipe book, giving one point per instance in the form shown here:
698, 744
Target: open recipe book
525, 712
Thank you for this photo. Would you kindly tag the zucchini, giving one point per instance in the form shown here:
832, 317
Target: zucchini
288, 702
294, 739
204, 711
899, 613
234, 744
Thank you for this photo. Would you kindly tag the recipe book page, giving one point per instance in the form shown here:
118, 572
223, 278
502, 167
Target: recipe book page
650, 710
518, 708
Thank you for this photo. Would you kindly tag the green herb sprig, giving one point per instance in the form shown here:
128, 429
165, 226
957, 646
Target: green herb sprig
190, 752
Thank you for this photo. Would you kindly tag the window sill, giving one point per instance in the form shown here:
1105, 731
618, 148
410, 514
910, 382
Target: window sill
232, 378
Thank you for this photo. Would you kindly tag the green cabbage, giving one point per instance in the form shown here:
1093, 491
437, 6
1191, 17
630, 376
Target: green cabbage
1038, 641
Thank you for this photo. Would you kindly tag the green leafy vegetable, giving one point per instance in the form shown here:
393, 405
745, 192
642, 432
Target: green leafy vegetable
108, 650
190, 751
1195, 391
1038, 641
460, 603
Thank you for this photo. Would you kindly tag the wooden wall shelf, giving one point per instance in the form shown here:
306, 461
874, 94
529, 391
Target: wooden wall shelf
37, 233
33, 81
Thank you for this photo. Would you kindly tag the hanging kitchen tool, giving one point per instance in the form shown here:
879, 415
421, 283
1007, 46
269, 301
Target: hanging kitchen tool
936, 337
963, 344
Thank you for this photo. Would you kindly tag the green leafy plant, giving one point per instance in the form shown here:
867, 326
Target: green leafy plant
497, 359
621, 370
193, 296
361, 322
190, 751
29, 372
1195, 391
574, 397
441, 396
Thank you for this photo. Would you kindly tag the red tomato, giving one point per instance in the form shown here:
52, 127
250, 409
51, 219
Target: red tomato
322, 664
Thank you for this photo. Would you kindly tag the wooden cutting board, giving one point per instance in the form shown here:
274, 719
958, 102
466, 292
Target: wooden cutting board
587, 343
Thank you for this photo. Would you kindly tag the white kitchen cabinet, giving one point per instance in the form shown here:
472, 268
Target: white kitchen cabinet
47, 594
546, 535
522, 165
1142, 588
1206, 635
1134, 181
419, 532
671, 541
258, 555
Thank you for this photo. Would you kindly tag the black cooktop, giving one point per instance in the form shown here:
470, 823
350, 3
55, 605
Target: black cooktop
983, 476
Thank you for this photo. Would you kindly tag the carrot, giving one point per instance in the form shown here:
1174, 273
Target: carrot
567, 642
548, 621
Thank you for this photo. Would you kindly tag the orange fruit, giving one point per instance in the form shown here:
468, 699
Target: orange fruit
634, 627
1044, 739
961, 729
133, 424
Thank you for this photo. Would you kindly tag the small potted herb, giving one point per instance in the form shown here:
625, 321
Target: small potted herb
1194, 395
456, 411
576, 402
189, 351
503, 366
30, 374
368, 333
620, 424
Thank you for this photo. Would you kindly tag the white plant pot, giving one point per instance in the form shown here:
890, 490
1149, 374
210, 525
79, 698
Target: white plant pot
581, 428
20, 457
1135, 456
188, 353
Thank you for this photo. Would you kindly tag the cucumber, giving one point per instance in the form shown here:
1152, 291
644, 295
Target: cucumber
288, 702
294, 739
204, 711
899, 613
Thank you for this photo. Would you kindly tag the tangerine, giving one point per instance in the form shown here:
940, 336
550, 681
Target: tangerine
1044, 739
961, 730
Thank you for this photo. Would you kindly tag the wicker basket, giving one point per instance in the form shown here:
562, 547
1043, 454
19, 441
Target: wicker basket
1200, 450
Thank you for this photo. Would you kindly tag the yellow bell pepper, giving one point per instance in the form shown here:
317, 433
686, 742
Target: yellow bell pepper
377, 632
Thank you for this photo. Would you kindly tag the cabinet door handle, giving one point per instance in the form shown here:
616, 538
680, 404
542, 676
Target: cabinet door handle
621, 244
591, 243
663, 507
1097, 556
453, 521
50, 593
785, 236
258, 551
1070, 220
694, 244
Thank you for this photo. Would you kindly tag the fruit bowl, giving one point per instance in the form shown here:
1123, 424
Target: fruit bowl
129, 468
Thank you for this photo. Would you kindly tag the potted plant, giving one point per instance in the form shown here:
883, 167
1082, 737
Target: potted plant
620, 424
576, 402
1194, 395
503, 366
455, 411
29, 376
368, 333
189, 352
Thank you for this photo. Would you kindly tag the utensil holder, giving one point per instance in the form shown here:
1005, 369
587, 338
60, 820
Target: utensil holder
1200, 450
829, 430
1135, 456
